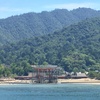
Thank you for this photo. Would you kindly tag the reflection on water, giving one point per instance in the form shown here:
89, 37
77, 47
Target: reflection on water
50, 92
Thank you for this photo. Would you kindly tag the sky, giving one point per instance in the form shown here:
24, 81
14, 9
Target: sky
16, 7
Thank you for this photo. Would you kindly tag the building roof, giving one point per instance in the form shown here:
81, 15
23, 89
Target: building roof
80, 74
44, 66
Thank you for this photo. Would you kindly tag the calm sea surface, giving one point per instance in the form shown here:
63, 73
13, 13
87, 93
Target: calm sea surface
50, 92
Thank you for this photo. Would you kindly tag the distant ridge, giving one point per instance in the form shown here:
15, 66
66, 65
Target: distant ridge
28, 25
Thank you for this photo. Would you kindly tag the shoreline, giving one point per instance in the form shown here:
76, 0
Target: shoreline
14, 81
60, 81
80, 81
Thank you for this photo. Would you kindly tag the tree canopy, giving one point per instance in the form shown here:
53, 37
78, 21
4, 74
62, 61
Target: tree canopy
74, 48
16, 28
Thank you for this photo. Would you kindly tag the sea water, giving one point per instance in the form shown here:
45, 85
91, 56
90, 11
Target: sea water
50, 92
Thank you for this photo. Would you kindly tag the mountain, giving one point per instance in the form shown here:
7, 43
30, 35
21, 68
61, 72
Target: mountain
75, 48
16, 28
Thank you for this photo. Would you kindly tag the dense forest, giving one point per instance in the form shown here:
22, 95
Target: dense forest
28, 25
74, 48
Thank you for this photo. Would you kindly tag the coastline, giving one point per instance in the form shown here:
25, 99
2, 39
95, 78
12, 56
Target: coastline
60, 81
83, 81
14, 81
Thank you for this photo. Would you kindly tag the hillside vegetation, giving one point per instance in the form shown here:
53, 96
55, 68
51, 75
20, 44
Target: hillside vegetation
75, 48
28, 25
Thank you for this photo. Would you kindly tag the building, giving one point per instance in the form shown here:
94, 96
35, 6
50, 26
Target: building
46, 73
78, 75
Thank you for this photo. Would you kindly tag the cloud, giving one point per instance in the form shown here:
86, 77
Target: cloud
71, 6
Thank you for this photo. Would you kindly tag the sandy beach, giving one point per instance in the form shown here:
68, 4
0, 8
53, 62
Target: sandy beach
83, 80
14, 81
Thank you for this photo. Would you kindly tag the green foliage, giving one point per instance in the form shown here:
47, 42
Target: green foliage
5, 71
75, 48
21, 68
93, 74
28, 25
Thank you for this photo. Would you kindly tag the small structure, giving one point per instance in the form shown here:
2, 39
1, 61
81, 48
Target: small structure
46, 73
77, 75
81, 75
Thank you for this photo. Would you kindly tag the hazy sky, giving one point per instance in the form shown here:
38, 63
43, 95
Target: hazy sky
16, 7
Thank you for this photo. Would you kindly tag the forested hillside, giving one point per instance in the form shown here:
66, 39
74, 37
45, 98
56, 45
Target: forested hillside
75, 48
28, 25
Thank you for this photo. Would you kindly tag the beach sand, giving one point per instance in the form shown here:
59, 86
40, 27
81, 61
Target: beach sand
14, 81
83, 80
